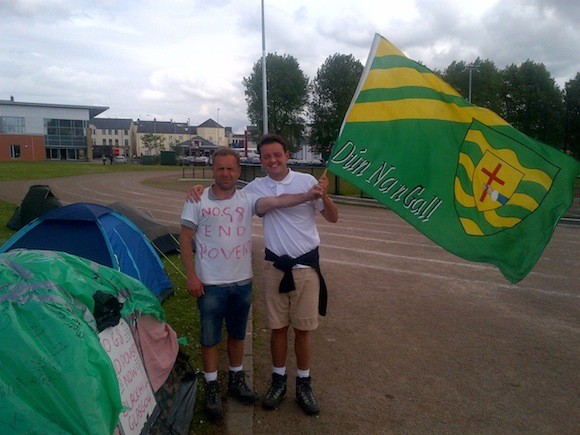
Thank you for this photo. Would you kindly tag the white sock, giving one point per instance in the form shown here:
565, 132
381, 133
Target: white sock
279, 370
210, 376
236, 369
303, 373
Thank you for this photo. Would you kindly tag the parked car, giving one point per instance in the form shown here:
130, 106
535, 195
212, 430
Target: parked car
200, 160
120, 159
184, 160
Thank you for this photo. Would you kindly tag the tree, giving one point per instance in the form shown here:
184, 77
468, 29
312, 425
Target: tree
533, 103
332, 92
287, 97
486, 82
456, 75
174, 146
152, 141
572, 120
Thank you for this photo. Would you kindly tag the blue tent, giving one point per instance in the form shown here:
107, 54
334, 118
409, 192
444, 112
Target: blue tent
99, 234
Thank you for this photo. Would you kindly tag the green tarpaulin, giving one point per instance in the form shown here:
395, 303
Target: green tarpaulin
55, 377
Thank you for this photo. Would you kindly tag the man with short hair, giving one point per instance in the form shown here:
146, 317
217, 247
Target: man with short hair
221, 280
294, 289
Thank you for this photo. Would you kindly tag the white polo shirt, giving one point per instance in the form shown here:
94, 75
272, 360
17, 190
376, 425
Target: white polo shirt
289, 231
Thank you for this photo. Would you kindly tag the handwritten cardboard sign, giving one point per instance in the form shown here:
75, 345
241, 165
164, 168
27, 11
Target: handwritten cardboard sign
136, 392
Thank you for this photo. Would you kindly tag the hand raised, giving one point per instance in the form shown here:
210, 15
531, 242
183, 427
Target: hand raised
194, 194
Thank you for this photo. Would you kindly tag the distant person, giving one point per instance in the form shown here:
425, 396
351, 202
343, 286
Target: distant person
294, 289
104, 159
111, 158
221, 279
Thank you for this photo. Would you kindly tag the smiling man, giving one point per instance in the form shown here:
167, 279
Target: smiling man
294, 290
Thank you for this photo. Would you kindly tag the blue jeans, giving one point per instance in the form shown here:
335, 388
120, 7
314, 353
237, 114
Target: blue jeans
230, 302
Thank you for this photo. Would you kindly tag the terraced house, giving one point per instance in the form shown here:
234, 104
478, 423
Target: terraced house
116, 136
170, 134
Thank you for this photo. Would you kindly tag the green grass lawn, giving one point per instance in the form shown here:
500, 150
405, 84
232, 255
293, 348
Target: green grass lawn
58, 169
180, 309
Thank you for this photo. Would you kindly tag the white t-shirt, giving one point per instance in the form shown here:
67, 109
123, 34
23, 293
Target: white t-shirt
289, 231
223, 236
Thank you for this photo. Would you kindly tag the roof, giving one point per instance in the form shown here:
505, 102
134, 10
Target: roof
93, 110
198, 142
162, 127
112, 123
210, 123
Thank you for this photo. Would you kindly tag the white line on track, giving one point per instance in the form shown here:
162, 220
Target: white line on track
512, 287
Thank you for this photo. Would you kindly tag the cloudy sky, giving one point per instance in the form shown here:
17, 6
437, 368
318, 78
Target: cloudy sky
180, 59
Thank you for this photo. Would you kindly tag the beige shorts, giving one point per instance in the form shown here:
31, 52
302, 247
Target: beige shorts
298, 308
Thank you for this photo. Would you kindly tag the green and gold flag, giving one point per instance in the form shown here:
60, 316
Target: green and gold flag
458, 173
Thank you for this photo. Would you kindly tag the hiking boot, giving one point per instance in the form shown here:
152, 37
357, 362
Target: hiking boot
213, 400
239, 389
304, 396
276, 392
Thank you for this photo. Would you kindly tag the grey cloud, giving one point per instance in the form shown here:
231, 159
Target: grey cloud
539, 31
116, 47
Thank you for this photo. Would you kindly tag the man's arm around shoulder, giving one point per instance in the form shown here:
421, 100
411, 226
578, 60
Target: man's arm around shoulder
268, 203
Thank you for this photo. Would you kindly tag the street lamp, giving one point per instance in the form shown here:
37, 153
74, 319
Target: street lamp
471, 67
189, 137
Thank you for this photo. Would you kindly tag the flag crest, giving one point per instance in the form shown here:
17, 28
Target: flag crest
494, 190
458, 173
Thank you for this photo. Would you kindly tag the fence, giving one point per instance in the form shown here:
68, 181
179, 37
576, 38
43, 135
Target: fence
197, 172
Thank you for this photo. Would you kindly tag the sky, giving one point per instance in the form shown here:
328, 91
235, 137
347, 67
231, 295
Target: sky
185, 60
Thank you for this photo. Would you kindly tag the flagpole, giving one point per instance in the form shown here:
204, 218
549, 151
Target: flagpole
264, 86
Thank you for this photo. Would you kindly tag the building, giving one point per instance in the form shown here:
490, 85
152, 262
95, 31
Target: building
169, 134
116, 136
37, 131
213, 132
196, 146
244, 140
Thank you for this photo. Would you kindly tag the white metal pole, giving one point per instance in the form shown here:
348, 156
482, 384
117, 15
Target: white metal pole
470, 69
264, 81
